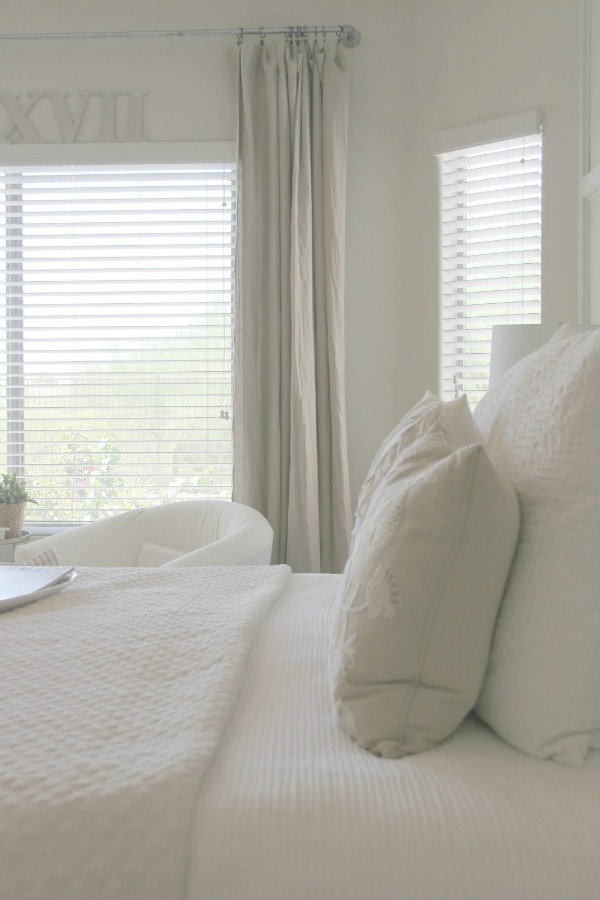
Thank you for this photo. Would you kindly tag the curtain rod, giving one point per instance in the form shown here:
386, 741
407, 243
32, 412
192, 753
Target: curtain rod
346, 34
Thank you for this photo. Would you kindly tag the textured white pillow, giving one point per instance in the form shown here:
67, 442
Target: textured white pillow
420, 596
542, 424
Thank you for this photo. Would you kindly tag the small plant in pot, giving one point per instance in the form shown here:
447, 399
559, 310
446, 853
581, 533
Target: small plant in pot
13, 497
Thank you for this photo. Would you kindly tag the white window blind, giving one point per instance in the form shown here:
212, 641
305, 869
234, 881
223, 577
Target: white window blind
116, 334
491, 253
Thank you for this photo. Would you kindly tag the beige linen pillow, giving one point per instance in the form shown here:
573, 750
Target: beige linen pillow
542, 424
420, 595
452, 417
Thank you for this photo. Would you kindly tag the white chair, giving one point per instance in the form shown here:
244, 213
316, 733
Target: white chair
186, 533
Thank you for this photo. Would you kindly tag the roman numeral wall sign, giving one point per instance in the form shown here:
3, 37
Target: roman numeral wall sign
44, 117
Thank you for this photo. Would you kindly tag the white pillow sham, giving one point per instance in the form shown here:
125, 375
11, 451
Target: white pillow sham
421, 592
542, 425
453, 418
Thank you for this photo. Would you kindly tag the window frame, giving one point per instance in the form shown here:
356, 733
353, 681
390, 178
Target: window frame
454, 140
108, 154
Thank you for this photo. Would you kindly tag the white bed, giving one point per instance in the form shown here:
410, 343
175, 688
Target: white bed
279, 803
291, 808
183, 733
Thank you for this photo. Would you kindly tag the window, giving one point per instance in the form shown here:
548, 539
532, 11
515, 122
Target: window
491, 196
116, 334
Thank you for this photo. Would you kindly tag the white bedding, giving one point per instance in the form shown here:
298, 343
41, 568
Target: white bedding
286, 806
114, 697
291, 809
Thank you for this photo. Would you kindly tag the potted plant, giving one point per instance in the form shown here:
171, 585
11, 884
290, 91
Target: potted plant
13, 497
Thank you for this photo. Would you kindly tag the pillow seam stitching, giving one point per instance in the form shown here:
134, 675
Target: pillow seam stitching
416, 681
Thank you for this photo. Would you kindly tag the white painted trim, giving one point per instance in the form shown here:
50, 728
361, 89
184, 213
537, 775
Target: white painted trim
585, 84
590, 184
589, 181
108, 153
485, 132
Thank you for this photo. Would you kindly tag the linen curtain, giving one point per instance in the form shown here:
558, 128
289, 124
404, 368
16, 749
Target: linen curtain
289, 421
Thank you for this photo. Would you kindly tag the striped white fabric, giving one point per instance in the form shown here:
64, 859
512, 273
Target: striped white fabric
45, 558
291, 809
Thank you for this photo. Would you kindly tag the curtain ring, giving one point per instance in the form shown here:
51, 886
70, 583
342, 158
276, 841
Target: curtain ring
240, 37
262, 34
302, 37
340, 33
289, 34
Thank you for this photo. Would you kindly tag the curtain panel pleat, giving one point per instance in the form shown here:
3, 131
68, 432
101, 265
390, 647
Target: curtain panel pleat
289, 422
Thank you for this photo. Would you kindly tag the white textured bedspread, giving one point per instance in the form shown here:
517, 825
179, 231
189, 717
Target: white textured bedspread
114, 697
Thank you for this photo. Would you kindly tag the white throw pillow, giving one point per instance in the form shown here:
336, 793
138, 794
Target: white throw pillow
157, 554
452, 417
420, 596
542, 425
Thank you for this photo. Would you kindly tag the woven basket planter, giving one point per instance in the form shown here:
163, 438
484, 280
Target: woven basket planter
11, 517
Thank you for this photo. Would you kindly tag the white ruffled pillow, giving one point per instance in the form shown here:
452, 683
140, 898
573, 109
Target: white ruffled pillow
453, 417
422, 585
542, 426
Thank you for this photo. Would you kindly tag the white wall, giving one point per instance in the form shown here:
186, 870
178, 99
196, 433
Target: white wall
423, 65
469, 60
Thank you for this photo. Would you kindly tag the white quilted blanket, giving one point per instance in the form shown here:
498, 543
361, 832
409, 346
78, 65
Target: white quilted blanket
114, 696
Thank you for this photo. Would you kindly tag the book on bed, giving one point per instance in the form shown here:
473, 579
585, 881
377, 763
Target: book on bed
24, 584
